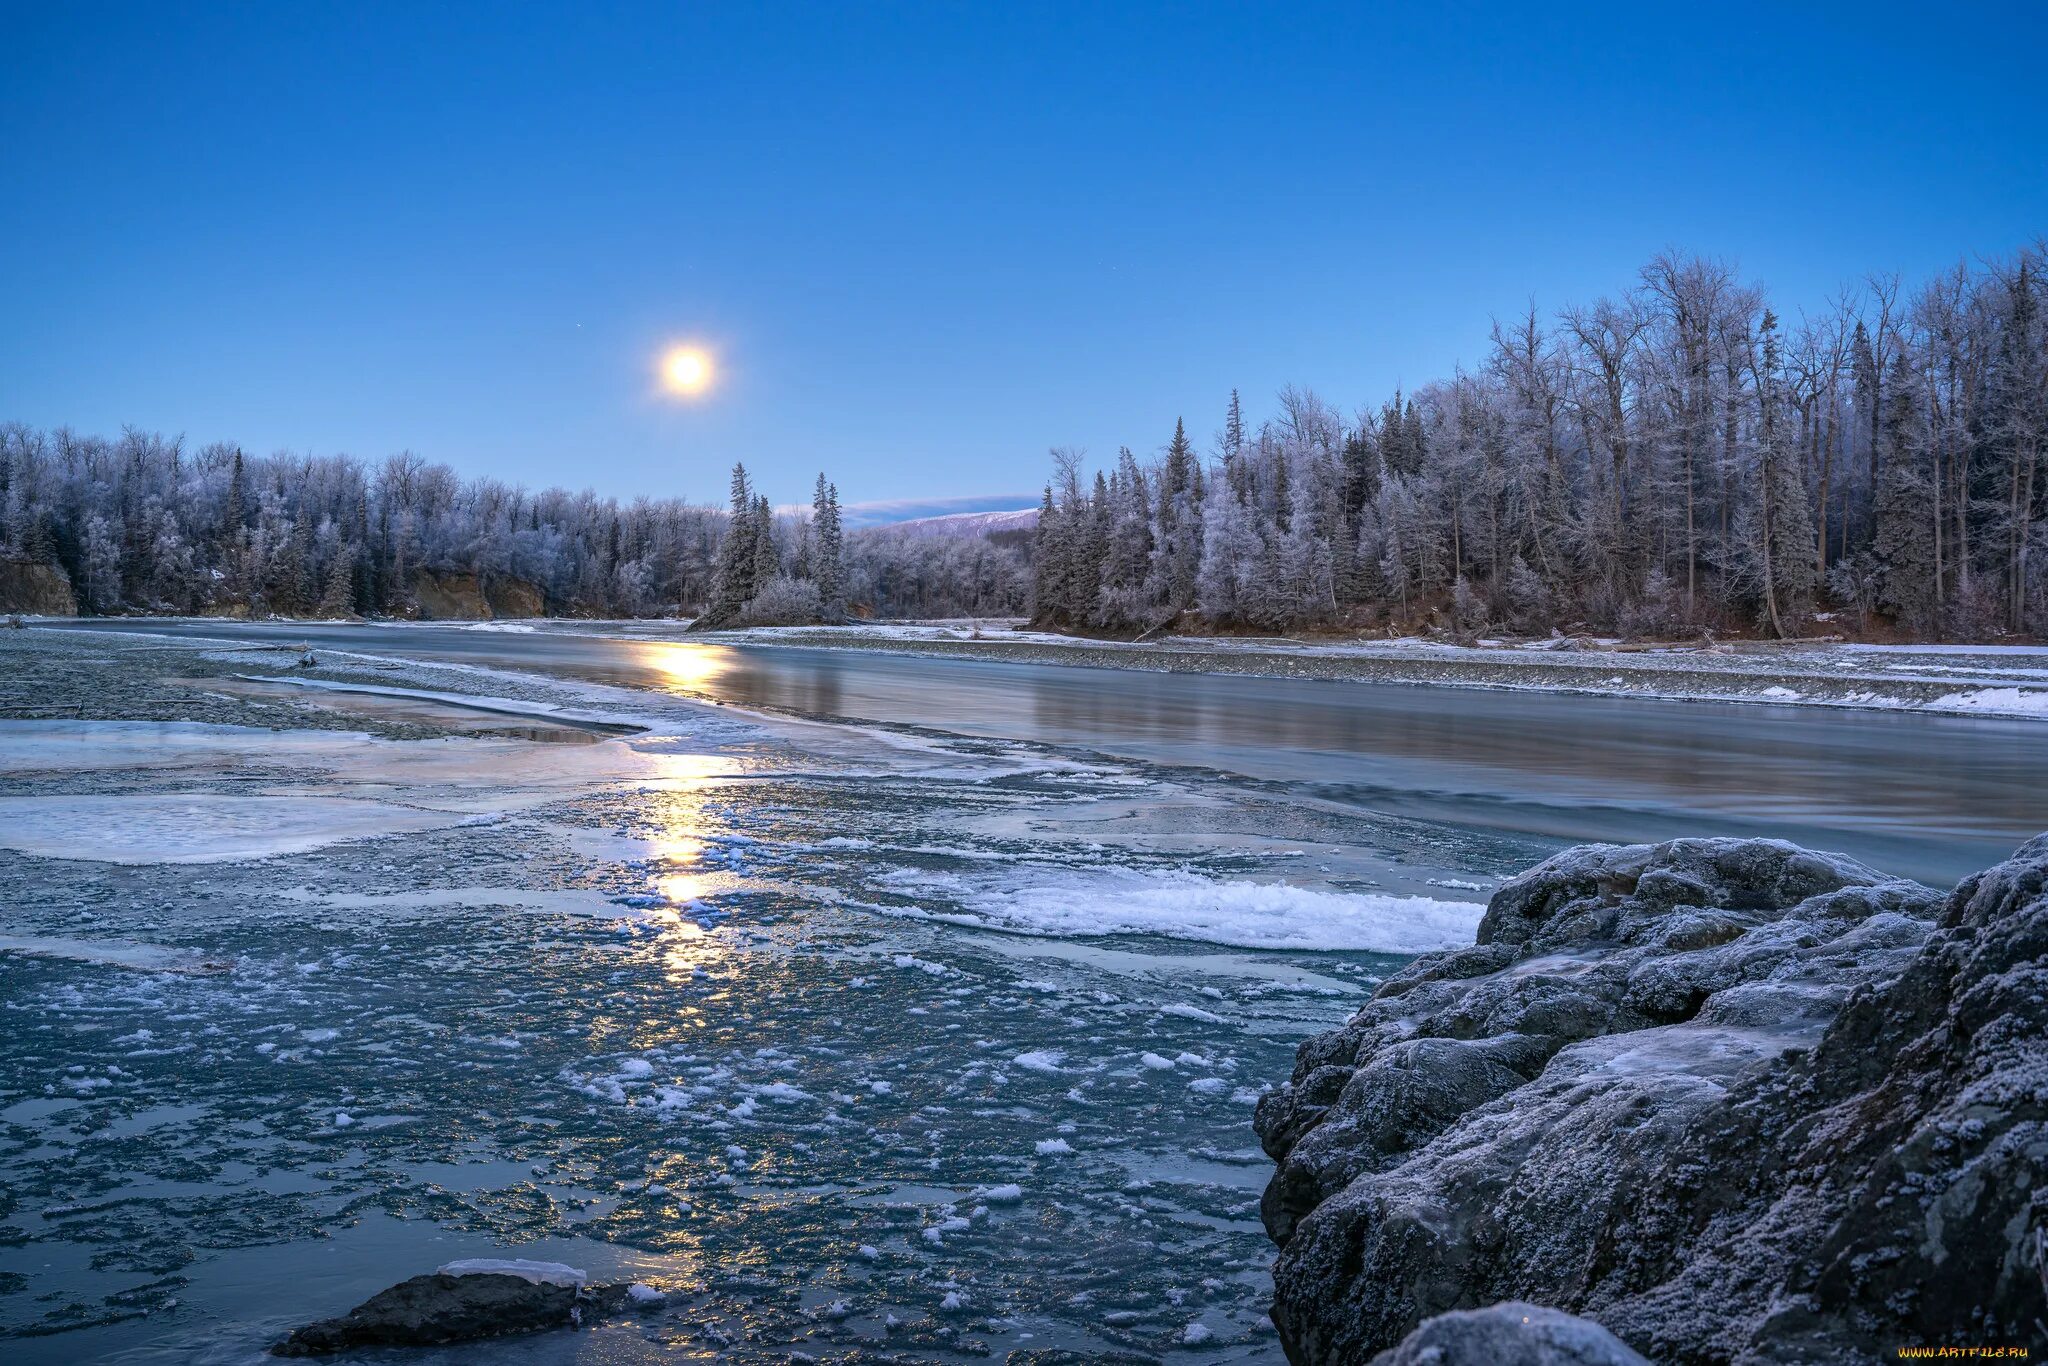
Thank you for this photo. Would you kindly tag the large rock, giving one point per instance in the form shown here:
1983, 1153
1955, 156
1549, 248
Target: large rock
1509, 1334
1731, 1099
36, 588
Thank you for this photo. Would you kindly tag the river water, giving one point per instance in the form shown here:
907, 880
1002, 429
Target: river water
899, 1006
1924, 796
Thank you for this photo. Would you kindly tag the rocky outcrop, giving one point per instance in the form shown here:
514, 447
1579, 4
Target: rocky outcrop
464, 1301
1733, 1100
509, 597
468, 597
35, 588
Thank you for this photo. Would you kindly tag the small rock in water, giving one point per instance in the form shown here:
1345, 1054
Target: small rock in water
464, 1301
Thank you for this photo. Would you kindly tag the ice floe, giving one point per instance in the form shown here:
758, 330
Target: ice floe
198, 827
1179, 904
119, 953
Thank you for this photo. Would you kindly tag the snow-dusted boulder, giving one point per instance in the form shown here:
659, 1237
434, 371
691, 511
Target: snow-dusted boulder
1509, 1334
1731, 1099
464, 1301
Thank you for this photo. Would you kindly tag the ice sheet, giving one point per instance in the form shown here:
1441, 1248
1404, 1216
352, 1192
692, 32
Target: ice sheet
1185, 905
198, 827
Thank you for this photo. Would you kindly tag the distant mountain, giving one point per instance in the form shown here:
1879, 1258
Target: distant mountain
892, 511
967, 523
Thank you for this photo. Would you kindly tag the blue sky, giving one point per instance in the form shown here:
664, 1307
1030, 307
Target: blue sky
925, 243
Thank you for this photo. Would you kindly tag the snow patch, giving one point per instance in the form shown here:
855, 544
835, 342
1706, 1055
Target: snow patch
538, 1273
2000, 701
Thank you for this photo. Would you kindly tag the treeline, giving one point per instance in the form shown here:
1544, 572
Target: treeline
1675, 458
139, 523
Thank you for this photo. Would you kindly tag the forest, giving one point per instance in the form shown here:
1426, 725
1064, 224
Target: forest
1676, 458
140, 523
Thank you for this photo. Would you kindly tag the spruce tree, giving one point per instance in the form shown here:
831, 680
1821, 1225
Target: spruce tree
1180, 521
339, 598
1784, 535
767, 555
1903, 543
732, 578
236, 515
828, 556
1048, 552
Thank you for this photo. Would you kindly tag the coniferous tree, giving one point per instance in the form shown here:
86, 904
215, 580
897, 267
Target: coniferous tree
338, 600
1903, 540
828, 550
1784, 540
236, 516
733, 581
1048, 565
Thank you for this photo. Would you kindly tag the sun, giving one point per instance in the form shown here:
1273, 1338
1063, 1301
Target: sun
686, 371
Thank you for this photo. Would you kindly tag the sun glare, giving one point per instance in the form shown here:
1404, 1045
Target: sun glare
686, 371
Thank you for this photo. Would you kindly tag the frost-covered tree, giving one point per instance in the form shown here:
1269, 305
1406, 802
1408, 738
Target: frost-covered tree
740, 556
1669, 458
828, 549
1665, 459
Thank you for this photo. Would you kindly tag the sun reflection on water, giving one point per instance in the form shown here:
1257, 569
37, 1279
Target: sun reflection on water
681, 840
682, 888
685, 669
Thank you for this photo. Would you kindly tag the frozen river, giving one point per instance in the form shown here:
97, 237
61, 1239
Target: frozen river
1926, 796
901, 1006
